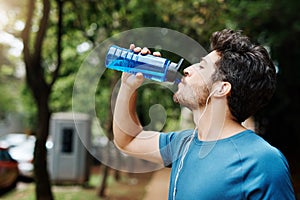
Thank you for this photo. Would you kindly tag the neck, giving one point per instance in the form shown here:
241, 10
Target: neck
215, 123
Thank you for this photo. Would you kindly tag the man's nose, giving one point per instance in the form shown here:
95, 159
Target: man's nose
187, 71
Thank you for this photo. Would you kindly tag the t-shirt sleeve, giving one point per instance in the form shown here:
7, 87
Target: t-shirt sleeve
171, 145
165, 140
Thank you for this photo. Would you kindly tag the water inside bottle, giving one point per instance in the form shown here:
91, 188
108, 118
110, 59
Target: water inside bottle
152, 67
132, 65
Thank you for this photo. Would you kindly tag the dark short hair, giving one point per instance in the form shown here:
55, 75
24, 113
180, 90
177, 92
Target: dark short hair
248, 68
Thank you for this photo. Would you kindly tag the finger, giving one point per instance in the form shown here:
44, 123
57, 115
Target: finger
125, 75
157, 53
145, 50
139, 76
132, 46
137, 49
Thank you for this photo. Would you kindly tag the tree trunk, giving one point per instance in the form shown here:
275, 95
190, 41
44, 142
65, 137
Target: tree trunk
41, 90
105, 172
42, 180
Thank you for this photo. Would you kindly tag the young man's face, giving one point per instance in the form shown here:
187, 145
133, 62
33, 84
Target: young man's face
195, 86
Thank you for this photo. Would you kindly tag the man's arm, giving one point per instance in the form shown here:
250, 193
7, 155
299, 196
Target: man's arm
129, 135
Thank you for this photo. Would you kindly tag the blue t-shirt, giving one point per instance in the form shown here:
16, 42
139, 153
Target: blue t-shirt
243, 166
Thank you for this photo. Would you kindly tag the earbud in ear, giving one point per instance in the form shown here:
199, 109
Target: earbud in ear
222, 88
217, 89
213, 92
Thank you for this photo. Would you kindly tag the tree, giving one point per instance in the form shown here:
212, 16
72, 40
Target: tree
36, 79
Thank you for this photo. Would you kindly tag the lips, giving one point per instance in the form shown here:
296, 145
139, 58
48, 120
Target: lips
182, 80
175, 99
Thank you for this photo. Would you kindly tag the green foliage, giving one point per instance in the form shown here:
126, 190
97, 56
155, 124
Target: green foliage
273, 23
195, 18
9, 84
62, 94
6, 104
29, 108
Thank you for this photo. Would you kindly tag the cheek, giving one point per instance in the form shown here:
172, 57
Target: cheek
202, 94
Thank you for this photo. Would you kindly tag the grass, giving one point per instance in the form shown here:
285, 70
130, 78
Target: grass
129, 187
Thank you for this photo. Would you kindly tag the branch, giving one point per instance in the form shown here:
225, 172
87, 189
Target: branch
26, 35
42, 30
59, 41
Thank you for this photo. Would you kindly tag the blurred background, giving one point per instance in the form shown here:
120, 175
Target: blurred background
44, 42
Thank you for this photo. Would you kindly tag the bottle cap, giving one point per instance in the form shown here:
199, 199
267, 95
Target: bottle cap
173, 75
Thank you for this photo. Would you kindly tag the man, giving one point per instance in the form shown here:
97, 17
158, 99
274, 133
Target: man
220, 158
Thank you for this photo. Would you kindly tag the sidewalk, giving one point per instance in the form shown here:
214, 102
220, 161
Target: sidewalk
158, 186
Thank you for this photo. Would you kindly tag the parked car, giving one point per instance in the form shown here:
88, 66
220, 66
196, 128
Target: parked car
21, 148
9, 171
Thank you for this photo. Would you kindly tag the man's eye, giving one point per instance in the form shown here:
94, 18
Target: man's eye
201, 67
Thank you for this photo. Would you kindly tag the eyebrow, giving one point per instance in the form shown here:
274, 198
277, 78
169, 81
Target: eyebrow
203, 59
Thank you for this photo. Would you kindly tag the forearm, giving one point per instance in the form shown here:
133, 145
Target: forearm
126, 125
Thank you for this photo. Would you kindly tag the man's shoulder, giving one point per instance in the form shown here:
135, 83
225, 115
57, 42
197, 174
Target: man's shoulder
262, 148
260, 154
265, 169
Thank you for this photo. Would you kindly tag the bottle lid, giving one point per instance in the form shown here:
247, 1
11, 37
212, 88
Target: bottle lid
173, 75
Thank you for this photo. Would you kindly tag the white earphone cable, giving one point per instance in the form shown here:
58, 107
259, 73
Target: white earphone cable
187, 148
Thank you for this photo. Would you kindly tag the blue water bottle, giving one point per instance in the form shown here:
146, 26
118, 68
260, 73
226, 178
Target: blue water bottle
152, 67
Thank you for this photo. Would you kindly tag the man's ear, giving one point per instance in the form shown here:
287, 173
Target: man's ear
222, 89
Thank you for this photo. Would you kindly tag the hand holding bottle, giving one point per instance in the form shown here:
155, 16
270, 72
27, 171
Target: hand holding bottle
135, 81
143, 51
